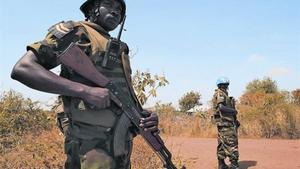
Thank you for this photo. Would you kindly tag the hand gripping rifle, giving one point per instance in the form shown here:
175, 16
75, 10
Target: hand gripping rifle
74, 58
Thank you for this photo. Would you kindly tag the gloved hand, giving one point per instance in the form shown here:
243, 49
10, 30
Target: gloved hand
149, 122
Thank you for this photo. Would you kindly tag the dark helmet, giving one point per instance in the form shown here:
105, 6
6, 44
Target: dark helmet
87, 4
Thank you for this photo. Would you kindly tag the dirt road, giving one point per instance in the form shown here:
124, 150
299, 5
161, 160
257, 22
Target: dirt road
198, 153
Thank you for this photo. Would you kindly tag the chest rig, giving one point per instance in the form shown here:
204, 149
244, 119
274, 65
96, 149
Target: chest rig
218, 117
114, 66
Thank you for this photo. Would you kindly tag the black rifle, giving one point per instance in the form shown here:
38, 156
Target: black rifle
74, 58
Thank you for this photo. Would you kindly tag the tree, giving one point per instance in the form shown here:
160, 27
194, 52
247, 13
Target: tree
296, 96
146, 85
266, 85
189, 101
164, 108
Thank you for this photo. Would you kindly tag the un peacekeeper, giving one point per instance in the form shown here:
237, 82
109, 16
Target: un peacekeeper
93, 120
227, 124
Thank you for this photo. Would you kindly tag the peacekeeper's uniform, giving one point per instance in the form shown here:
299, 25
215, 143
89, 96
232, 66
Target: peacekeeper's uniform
227, 127
89, 137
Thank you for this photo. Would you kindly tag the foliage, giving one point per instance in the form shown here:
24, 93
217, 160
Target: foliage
266, 85
268, 115
164, 108
17, 117
296, 96
189, 101
184, 125
146, 85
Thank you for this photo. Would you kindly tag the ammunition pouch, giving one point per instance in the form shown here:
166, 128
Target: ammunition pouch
89, 132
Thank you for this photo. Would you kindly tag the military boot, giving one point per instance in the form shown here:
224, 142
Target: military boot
222, 164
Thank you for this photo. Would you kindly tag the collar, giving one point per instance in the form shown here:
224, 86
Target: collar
224, 91
98, 28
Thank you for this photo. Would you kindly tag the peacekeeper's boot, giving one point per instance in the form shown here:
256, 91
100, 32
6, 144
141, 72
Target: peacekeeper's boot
222, 164
234, 165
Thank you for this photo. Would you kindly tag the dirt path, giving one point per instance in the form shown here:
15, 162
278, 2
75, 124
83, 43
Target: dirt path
254, 153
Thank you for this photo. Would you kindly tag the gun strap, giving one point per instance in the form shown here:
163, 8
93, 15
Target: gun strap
129, 84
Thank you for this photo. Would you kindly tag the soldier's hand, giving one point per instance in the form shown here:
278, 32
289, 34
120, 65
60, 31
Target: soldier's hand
149, 122
97, 96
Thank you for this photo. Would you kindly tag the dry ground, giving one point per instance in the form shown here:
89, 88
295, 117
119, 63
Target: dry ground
200, 153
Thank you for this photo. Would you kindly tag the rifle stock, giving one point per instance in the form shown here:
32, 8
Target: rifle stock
74, 58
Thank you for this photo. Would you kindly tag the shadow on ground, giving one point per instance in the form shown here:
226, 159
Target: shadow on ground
247, 164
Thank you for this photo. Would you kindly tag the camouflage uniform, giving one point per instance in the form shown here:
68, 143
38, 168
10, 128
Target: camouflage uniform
227, 127
89, 131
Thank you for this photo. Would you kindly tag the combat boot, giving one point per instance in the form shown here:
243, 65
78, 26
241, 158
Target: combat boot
222, 164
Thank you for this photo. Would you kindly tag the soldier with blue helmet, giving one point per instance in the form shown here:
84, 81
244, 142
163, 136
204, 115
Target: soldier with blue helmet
92, 123
225, 118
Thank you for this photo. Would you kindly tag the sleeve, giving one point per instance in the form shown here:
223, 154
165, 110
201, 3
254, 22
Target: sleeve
57, 39
46, 51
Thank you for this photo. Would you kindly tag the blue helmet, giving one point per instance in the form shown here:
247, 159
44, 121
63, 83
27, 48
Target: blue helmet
222, 80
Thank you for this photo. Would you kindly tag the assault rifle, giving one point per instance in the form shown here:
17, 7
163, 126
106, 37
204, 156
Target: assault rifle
74, 58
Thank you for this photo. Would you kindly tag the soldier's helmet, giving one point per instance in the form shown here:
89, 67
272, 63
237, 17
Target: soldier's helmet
87, 5
222, 80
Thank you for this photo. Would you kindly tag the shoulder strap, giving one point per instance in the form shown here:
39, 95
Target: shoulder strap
126, 66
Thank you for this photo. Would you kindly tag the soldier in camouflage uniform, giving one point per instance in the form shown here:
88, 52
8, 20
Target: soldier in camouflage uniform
226, 121
91, 121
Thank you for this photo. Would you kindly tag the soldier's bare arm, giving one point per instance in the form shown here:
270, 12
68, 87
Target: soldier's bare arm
31, 73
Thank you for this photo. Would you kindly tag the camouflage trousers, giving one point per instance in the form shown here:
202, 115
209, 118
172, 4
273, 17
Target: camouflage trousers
228, 143
88, 147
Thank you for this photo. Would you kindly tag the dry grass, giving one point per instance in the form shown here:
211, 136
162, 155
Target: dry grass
46, 151
180, 124
144, 158
37, 151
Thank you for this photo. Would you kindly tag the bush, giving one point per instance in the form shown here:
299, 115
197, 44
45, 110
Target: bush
266, 85
268, 115
19, 116
189, 100
175, 123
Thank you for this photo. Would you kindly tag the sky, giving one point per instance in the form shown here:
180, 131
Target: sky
191, 42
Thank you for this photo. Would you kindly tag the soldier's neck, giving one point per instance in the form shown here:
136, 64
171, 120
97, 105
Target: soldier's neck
97, 27
224, 90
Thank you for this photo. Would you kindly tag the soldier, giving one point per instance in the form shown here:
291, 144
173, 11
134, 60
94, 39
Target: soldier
225, 118
92, 118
